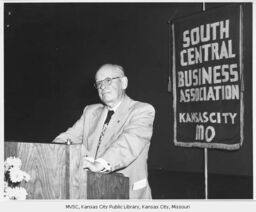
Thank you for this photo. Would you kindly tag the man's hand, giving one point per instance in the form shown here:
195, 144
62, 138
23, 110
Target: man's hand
92, 166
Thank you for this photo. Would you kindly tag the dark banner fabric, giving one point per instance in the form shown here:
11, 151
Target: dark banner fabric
207, 76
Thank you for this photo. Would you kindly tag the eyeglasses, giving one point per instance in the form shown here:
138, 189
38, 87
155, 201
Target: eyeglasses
106, 82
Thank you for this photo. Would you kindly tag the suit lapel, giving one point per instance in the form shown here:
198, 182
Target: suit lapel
116, 122
94, 137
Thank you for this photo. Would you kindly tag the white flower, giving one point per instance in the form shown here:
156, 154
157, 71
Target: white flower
13, 176
12, 162
18, 193
9, 193
16, 175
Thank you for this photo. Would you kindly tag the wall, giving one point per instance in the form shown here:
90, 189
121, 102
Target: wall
240, 161
53, 50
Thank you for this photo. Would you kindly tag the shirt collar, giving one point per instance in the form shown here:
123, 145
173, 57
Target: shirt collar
115, 107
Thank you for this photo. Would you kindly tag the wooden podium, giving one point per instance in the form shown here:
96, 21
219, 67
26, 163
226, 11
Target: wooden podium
56, 173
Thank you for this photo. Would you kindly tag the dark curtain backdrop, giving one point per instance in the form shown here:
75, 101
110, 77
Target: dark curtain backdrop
51, 53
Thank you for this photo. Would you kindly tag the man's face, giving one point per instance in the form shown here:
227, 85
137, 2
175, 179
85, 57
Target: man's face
110, 94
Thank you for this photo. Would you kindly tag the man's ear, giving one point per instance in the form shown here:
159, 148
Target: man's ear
124, 81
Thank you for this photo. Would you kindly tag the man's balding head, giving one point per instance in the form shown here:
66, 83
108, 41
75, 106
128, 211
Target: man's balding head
112, 83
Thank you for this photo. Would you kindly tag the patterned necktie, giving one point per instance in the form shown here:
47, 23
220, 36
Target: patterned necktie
110, 113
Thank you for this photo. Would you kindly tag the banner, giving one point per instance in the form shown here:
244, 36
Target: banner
207, 78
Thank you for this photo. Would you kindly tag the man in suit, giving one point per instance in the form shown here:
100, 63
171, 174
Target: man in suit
119, 143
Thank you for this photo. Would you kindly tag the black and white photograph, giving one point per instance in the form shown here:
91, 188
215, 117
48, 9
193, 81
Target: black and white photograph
127, 102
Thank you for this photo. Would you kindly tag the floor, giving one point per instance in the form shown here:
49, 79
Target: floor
177, 185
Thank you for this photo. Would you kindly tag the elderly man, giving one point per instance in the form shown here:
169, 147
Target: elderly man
116, 135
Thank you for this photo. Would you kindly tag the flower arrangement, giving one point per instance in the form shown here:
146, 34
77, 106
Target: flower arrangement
13, 176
